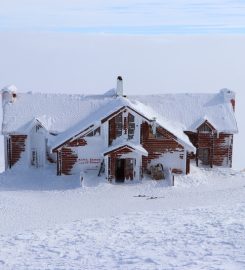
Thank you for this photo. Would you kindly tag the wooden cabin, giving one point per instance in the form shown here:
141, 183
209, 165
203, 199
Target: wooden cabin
122, 137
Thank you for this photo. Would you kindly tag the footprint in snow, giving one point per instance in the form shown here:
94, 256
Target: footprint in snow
148, 197
152, 198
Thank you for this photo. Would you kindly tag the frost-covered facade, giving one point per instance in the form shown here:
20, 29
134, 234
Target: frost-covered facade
123, 137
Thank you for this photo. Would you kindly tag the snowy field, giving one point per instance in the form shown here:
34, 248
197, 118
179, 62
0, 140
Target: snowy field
58, 224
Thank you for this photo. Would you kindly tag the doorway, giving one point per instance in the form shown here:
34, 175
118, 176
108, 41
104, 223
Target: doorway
203, 155
124, 169
120, 170
37, 147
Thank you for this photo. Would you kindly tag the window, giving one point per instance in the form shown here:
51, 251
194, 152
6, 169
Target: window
34, 157
95, 132
131, 126
159, 135
38, 127
203, 155
204, 128
122, 124
118, 125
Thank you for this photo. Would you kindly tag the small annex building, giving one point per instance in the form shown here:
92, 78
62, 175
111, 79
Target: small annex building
124, 137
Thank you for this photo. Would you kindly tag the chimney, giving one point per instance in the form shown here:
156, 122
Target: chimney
154, 125
119, 90
229, 96
9, 94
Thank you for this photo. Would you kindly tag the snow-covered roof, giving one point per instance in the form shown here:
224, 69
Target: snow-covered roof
190, 110
68, 115
56, 112
91, 121
114, 104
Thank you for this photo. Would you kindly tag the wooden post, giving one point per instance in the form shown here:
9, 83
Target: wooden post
9, 152
197, 153
197, 149
187, 163
58, 163
212, 150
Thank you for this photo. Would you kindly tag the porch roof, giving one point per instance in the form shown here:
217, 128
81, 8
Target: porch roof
134, 147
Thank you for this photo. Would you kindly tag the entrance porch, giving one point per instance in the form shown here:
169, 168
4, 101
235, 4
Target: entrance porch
124, 163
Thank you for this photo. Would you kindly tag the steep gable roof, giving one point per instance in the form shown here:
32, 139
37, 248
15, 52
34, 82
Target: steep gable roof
91, 121
95, 118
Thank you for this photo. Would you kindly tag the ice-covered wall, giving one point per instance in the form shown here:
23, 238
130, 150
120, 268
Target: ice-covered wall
89, 156
173, 161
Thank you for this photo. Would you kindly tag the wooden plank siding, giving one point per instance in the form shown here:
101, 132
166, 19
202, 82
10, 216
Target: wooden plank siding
67, 158
16, 144
158, 146
112, 130
219, 145
223, 150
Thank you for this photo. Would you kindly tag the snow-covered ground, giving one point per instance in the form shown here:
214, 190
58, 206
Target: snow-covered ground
50, 222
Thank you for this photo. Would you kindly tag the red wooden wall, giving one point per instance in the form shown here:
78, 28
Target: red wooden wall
16, 144
67, 158
220, 147
158, 146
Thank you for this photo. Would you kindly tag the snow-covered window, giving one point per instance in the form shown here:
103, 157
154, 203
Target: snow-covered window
115, 127
119, 125
159, 135
203, 155
33, 157
38, 127
131, 126
38, 146
95, 132
204, 128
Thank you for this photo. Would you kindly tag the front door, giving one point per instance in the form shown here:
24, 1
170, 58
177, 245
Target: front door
203, 155
120, 170
129, 168
37, 146
37, 157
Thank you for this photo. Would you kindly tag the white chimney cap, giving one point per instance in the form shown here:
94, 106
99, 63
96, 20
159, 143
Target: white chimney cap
10, 88
119, 89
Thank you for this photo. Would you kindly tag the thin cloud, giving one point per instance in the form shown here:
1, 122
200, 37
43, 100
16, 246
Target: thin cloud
124, 16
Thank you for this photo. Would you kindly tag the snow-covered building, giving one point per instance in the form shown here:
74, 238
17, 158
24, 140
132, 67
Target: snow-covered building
124, 137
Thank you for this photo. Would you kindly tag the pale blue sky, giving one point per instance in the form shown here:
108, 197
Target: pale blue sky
124, 16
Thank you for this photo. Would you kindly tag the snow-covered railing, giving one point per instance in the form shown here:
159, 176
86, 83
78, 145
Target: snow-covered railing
169, 176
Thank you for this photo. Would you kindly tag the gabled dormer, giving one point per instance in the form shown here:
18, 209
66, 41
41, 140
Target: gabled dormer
206, 127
